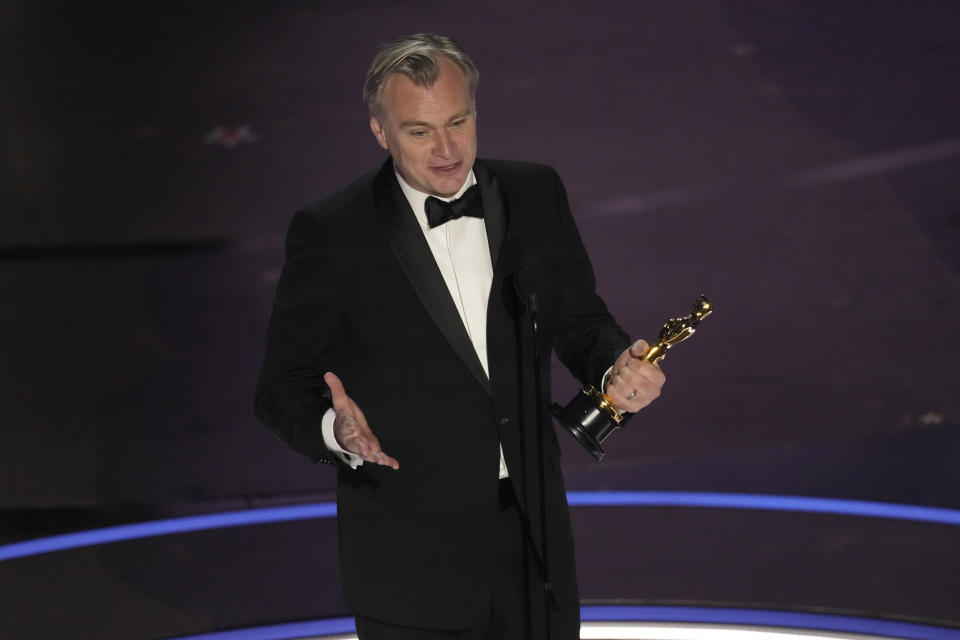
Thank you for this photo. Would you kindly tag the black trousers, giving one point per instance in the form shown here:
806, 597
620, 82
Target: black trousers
506, 618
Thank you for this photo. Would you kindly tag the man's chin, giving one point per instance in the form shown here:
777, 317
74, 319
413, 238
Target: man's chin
448, 186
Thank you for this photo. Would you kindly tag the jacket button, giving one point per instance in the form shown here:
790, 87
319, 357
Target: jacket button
504, 421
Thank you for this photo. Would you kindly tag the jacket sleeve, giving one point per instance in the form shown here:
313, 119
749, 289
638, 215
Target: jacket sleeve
301, 335
588, 340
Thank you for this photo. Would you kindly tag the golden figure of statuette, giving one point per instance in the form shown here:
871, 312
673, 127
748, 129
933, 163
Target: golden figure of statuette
591, 416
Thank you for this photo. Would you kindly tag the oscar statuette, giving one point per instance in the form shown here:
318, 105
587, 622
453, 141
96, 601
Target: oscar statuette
591, 416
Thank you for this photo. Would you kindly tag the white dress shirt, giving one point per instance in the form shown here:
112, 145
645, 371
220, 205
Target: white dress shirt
462, 254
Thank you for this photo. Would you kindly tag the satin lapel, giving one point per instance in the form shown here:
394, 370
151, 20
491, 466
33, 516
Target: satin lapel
410, 247
502, 303
494, 210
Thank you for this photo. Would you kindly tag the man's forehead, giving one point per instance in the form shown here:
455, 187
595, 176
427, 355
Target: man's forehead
407, 100
447, 68
401, 80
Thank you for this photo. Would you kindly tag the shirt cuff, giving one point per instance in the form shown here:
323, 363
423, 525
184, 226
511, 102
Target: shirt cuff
603, 382
352, 460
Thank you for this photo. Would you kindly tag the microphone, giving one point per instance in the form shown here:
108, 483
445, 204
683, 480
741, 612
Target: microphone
529, 282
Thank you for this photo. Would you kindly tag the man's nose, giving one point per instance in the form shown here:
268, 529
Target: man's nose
444, 146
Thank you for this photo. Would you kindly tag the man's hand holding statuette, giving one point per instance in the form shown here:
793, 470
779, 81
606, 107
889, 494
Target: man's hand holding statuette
634, 383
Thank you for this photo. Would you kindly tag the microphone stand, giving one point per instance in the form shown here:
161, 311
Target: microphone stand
533, 312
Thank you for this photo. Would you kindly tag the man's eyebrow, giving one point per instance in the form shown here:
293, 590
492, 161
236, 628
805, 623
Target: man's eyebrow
410, 124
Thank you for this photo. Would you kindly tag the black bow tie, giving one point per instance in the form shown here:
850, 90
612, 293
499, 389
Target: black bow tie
469, 204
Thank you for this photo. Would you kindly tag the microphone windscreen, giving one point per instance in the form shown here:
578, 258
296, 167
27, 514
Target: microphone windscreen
529, 278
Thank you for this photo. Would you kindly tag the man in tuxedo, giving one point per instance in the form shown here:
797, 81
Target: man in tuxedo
398, 351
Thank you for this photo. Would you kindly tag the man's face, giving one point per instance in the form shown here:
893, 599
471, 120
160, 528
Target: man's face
431, 132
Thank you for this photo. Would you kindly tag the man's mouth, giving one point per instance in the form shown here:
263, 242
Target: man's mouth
447, 168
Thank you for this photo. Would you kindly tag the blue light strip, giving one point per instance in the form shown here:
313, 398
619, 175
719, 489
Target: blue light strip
762, 502
685, 499
289, 631
167, 527
698, 615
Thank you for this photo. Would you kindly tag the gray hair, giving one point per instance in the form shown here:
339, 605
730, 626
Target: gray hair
418, 58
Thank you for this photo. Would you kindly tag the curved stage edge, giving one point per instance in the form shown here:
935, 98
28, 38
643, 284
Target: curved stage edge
654, 623
247, 517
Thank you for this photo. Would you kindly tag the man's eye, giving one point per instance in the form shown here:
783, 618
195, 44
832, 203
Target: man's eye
457, 123
418, 133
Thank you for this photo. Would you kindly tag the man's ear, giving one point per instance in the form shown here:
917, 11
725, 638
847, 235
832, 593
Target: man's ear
377, 130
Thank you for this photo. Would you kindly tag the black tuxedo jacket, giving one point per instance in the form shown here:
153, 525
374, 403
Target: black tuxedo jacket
361, 295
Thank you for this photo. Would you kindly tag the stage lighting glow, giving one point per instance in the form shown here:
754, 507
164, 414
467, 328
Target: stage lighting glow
655, 623
328, 629
682, 499
646, 631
